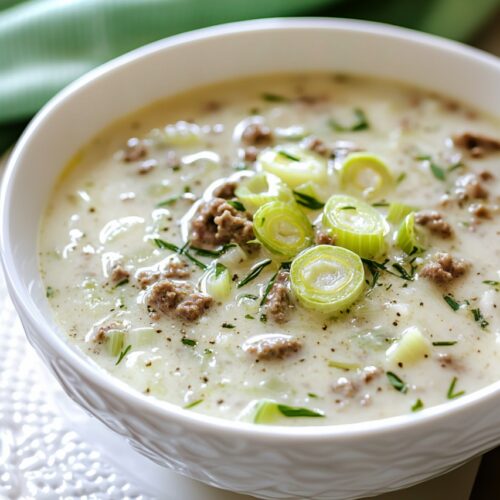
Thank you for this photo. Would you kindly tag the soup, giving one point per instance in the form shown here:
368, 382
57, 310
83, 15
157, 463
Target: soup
291, 249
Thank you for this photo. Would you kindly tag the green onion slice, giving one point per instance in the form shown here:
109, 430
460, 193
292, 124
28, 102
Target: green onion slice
355, 225
398, 211
327, 278
293, 165
365, 174
114, 341
282, 228
407, 237
262, 188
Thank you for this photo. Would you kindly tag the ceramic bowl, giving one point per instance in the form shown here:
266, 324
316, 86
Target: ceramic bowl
334, 462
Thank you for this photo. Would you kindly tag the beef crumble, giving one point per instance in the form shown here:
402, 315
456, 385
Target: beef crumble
135, 150
257, 134
477, 145
278, 302
274, 347
444, 268
434, 221
226, 190
175, 269
217, 223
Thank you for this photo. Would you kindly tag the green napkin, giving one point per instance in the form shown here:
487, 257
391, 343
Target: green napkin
45, 44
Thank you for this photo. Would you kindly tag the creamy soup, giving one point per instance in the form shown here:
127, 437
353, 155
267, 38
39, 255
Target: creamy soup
295, 249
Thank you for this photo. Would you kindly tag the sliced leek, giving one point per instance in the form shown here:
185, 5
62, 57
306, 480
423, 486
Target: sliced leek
407, 237
216, 281
268, 412
410, 348
355, 225
141, 336
114, 341
365, 174
326, 278
293, 165
262, 188
397, 212
283, 228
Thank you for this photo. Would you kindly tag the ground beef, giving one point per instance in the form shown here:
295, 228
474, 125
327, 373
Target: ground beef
479, 210
100, 335
319, 147
225, 190
250, 154
469, 187
370, 373
176, 269
257, 134
135, 150
486, 175
275, 347
118, 274
322, 238
278, 303
434, 221
177, 298
444, 268
217, 223
477, 145
146, 166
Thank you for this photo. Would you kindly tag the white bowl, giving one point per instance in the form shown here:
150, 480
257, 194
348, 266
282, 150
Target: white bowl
334, 462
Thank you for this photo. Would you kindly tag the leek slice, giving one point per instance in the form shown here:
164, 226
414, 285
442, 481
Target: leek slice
262, 188
397, 212
355, 225
327, 278
293, 165
268, 412
365, 174
114, 341
410, 348
141, 336
407, 237
282, 228
216, 281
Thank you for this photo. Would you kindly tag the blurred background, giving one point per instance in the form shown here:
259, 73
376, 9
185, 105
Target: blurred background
45, 44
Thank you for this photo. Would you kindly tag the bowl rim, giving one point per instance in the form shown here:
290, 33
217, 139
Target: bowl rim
118, 389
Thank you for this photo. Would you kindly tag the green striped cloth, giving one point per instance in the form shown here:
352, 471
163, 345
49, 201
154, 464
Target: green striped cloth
45, 44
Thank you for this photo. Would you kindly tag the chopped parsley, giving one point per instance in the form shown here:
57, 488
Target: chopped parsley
360, 123
400, 178
123, 354
124, 281
237, 205
451, 394
193, 404
208, 352
288, 156
308, 201
442, 343
228, 325
169, 201
312, 395
348, 207
50, 292
254, 272
249, 316
270, 97
479, 318
397, 383
212, 253
294, 411
417, 406
189, 342
438, 172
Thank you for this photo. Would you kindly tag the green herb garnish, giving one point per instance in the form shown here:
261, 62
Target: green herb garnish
249, 316
381, 204
212, 253
494, 284
437, 171
124, 281
308, 201
442, 343
269, 97
169, 201
288, 156
219, 269
451, 394
417, 406
180, 250
360, 123
451, 302
250, 296
312, 395
237, 205
254, 272
401, 177
228, 325
123, 354
397, 383
189, 342
193, 404
294, 411
348, 207
479, 318
50, 292
341, 365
